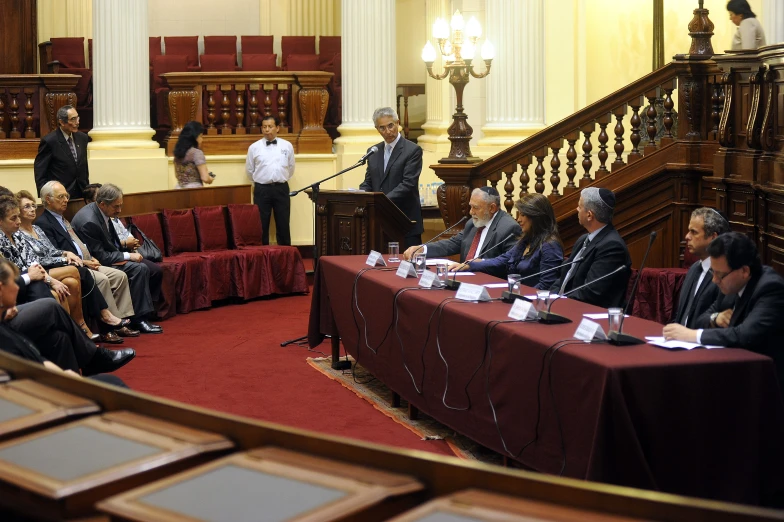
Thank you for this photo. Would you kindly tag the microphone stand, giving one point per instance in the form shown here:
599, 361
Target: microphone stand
548, 317
315, 187
619, 338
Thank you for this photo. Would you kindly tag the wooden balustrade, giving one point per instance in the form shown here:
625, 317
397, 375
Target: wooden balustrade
28, 109
302, 118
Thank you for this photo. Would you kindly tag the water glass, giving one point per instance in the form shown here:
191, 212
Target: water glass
514, 283
442, 271
393, 249
542, 299
420, 261
614, 315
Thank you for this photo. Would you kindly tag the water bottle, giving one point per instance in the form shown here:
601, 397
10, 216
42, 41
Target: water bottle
421, 195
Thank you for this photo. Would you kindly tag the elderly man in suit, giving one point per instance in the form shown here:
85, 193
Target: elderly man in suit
490, 232
698, 292
62, 155
395, 171
93, 226
596, 254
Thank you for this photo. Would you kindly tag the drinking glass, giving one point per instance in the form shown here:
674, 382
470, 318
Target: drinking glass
614, 315
420, 261
514, 283
442, 269
393, 249
542, 299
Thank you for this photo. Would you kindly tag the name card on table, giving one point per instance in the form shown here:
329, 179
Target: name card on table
375, 258
406, 269
522, 310
469, 292
589, 330
428, 279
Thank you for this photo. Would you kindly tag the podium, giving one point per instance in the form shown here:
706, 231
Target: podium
351, 222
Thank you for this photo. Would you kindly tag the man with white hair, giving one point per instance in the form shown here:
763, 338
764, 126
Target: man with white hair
596, 253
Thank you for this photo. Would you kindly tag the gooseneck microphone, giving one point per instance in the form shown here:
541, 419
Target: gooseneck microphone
372, 150
438, 235
453, 284
548, 317
620, 338
508, 297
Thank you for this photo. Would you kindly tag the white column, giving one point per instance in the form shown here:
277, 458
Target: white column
369, 79
515, 87
773, 21
439, 93
121, 99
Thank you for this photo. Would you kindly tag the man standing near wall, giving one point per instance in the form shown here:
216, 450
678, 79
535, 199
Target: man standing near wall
270, 165
62, 155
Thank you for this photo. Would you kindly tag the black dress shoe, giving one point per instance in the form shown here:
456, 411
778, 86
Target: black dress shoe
145, 327
106, 361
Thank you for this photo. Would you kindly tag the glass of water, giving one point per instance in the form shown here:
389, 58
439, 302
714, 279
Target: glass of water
542, 299
420, 261
442, 271
393, 249
514, 283
614, 315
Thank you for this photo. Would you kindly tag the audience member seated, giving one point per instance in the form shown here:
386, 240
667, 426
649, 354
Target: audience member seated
94, 302
698, 292
747, 312
63, 280
92, 225
190, 166
538, 249
45, 324
488, 226
89, 192
597, 253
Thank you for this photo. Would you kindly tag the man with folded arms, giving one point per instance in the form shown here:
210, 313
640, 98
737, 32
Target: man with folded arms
488, 225
93, 226
747, 312
597, 253
698, 292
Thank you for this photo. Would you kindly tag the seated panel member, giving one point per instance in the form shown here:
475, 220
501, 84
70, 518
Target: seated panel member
539, 248
597, 253
698, 292
93, 226
488, 221
747, 313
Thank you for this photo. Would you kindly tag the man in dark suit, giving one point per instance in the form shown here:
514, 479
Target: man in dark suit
596, 254
747, 313
62, 155
489, 226
698, 292
395, 170
93, 226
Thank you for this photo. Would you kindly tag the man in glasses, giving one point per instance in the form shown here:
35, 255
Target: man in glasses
394, 170
62, 155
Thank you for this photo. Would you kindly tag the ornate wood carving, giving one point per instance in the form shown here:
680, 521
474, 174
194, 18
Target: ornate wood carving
636, 123
2, 114
509, 187
29, 92
182, 108
555, 163
587, 130
13, 109
239, 110
701, 30
603, 139
524, 178
619, 113
211, 129
766, 137
571, 157
539, 170
754, 123
693, 97
726, 135
225, 109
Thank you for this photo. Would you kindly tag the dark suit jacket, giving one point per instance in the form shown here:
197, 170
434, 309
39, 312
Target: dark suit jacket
54, 162
91, 228
705, 297
604, 254
400, 181
501, 227
55, 232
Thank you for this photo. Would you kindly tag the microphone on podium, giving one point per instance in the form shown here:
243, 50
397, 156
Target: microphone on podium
549, 317
508, 297
619, 338
453, 284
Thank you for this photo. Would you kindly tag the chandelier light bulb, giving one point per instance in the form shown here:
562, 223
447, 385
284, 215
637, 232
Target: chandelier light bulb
473, 29
488, 51
468, 51
457, 21
429, 53
440, 29
448, 48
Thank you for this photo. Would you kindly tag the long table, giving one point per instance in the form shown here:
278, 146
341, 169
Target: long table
705, 423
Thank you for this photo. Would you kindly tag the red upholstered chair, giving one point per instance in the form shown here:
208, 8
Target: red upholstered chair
218, 62
259, 62
155, 47
329, 46
211, 232
160, 90
256, 44
150, 224
296, 45
211, 228
245, 223
180, 231
302, 62
187, 46
69, 52
220, 45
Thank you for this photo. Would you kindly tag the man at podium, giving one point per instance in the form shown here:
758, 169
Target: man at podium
395, 171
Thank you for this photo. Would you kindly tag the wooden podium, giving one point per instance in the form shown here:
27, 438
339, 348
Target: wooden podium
350, 222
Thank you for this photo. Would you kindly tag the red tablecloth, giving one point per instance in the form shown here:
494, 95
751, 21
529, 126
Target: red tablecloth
705, 423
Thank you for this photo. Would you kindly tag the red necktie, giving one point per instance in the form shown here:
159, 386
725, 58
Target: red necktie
474, 244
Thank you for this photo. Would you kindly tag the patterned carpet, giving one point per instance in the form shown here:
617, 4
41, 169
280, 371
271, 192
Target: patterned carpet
377, 394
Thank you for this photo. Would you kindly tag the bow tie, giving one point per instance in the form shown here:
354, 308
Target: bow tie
273, 142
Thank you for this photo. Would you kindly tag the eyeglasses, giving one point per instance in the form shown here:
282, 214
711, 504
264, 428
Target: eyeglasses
75, 118
388, 127
720, 275
28, 206
62, 197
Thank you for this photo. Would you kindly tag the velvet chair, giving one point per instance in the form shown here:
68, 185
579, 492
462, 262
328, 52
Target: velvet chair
160, 91
256, 44
329, 46
187, 46
296, 45
223, 45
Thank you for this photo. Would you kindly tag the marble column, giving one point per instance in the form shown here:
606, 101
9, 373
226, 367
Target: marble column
440, 94
122, 146
515, 101
369, 76
773, 21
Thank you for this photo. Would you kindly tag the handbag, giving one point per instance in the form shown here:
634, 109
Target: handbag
148, 249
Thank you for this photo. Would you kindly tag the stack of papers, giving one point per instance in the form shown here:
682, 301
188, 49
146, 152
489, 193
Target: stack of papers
677, 345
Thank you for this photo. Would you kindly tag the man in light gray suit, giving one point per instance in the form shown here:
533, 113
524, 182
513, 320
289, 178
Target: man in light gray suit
489, 226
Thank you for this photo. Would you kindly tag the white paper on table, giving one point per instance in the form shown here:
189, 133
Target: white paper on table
453, 274
496, 285
435, 261
677, 345
534, 297
598, 316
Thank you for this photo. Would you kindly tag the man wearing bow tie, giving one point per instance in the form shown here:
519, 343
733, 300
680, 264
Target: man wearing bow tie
62, 155
270, 165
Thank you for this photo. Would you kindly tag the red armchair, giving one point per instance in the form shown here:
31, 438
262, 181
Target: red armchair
296, 45
256, 44
221, 45
187, 46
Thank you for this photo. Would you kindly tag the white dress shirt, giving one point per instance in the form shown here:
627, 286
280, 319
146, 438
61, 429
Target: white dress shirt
270, 163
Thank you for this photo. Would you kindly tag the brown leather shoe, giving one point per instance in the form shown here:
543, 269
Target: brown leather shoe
126, 332
111, 338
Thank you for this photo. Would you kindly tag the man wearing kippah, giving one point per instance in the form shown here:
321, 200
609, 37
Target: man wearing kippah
488, 226
596, 253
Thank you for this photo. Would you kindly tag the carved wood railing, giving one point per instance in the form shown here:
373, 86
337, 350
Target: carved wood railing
302, 118
28, 109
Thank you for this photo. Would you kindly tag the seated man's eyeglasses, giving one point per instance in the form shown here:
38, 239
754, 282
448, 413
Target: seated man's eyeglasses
721, 275
62, 197
388, 127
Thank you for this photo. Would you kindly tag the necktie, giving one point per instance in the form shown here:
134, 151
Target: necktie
571, 268
71, 145
692, 296
387, 154
273, 142
83, 252
474, 244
